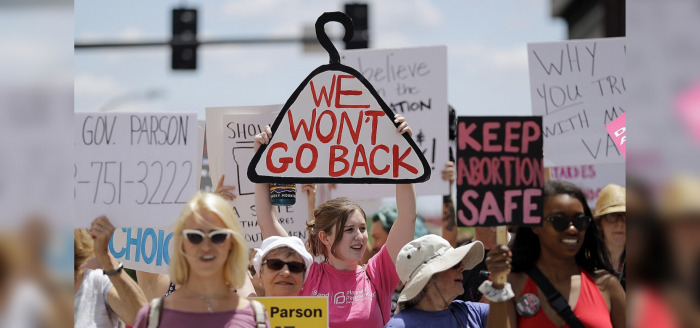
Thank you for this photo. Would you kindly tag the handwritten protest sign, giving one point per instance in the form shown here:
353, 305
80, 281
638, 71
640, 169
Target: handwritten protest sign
618, 132
413, 82
336, 129
578, 87
137, 169
296, 312
499, 171
143, 249
215, 133
591, 178
238, 137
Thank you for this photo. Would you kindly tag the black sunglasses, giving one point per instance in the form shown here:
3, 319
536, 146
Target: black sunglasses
217, 236
560, 223
276, 265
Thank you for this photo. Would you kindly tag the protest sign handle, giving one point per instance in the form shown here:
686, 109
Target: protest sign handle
323, 38
501, 239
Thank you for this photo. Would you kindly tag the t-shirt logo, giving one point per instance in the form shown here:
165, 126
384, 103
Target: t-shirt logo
339, 298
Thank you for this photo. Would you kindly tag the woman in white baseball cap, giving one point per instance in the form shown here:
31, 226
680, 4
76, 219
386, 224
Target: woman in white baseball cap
282, 264
432, 272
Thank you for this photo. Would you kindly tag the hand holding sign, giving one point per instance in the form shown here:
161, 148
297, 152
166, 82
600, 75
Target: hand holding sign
224, 191
101, 231
498, 262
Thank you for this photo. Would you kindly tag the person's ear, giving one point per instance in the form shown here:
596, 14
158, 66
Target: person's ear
324, 237
536, 230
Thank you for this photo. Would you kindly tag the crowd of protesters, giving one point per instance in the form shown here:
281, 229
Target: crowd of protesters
571, 271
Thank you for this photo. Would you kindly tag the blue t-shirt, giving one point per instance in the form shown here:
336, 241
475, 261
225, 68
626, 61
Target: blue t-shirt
473, 315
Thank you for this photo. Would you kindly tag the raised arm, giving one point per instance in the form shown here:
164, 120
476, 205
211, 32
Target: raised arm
125, 297
449, 219
266, 213
405, 225
501, 314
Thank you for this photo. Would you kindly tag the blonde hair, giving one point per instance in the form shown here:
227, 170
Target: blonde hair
82, 243
237, 262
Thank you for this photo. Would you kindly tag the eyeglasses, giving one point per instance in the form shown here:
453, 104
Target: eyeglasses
276, 265
217, 236
560, 223
614, 217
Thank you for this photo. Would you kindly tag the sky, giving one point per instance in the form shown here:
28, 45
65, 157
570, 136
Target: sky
486, 40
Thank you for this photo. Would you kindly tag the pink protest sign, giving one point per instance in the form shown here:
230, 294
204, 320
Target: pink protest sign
617, 130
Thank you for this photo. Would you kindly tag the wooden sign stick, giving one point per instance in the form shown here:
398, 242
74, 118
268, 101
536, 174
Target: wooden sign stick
501, 239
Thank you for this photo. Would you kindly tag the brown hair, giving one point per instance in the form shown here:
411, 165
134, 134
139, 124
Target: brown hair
82, 243
333, 213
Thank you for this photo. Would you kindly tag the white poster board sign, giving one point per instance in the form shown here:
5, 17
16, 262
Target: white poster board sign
591, 178
138, 169
413, 83
238, 137
578, 87
335, 129
143, 249
215, 133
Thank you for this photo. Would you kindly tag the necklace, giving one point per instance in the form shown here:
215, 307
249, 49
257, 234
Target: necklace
208, 301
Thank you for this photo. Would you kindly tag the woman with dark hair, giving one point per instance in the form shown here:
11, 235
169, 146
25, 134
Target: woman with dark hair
569, 252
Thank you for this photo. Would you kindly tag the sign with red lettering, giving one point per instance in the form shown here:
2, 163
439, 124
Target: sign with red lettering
500, 174
336, 129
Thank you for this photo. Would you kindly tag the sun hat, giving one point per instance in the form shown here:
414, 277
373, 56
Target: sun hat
421, 258
276, 242
610, 200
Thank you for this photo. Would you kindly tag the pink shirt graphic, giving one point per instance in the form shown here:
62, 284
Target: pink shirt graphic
352, 299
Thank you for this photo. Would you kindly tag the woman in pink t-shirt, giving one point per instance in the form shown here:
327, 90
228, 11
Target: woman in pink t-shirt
358, 295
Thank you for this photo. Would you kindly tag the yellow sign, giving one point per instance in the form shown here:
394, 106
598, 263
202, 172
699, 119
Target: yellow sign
296, 312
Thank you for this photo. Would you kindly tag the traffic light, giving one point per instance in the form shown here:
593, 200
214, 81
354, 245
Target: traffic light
359, 15
184, 42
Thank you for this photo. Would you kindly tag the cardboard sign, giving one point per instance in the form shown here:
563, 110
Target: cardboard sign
238, 136
336, 129
578, 87
413, 82
296, 312
143, 249
137, 169
499, 171
591, 178
618, 132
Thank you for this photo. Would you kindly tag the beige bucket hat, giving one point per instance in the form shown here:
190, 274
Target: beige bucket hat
421, 258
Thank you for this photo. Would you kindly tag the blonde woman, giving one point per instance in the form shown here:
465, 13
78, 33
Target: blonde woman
156, 285
209, 261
